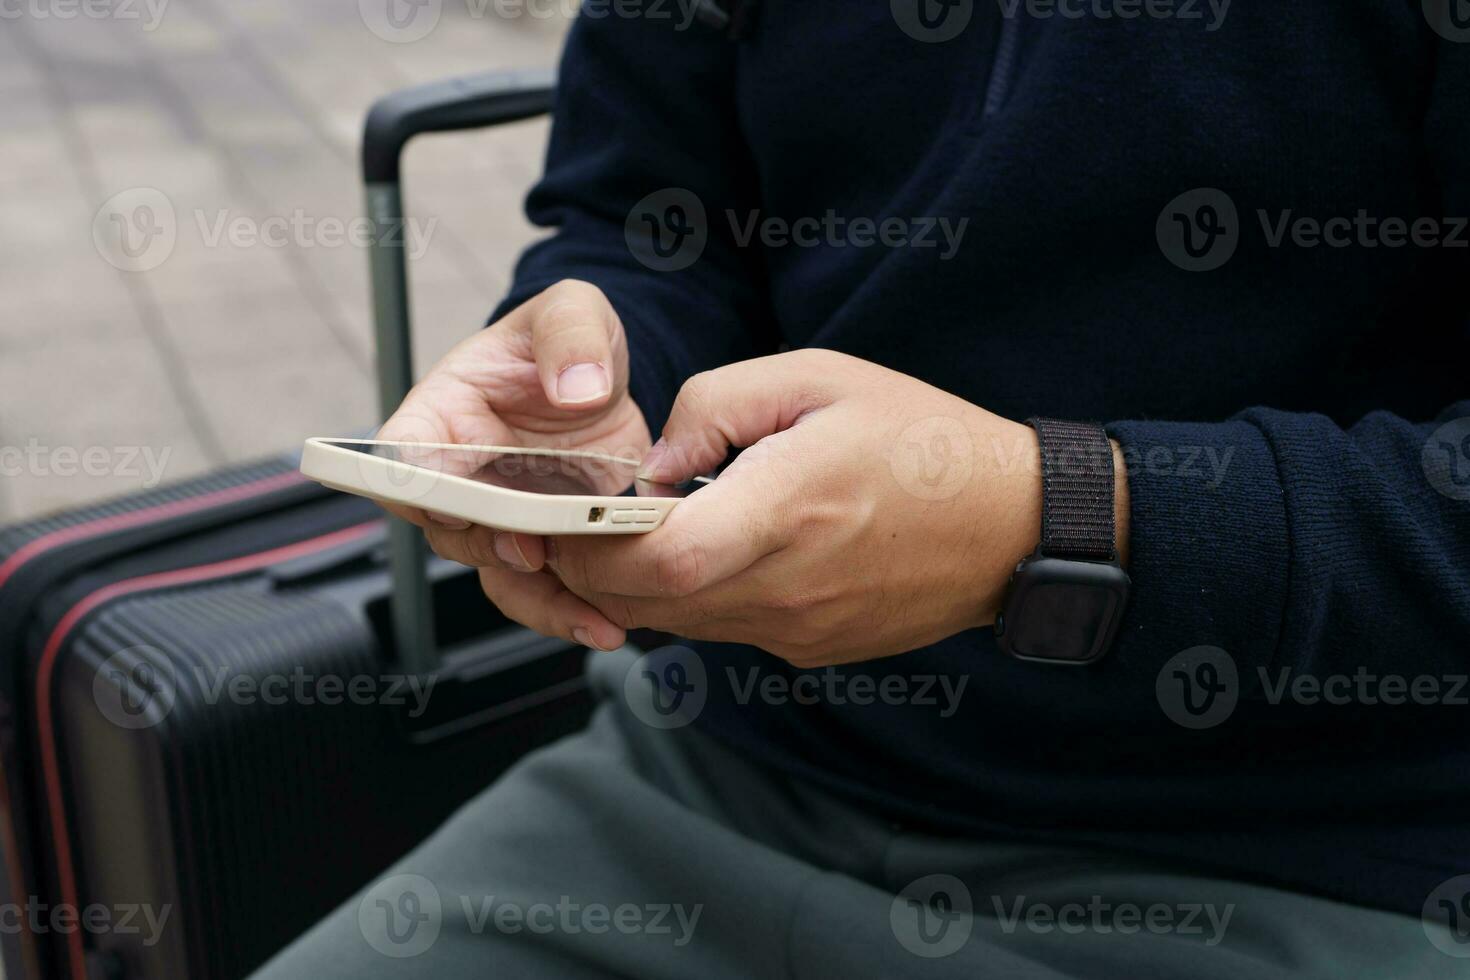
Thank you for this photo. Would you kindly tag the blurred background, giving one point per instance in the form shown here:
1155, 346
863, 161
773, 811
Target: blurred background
180, 224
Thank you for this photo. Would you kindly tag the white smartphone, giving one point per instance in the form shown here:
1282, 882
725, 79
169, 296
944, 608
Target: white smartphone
536, 491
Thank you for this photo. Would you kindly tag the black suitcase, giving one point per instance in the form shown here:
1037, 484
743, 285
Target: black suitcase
216, 718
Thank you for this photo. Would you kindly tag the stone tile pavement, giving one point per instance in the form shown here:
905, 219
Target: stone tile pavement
213, 117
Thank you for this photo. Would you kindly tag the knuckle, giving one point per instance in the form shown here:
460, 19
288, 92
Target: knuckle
440, 543
478, 549
822, 358
469, 547
573, 291
808, 356
679, 565
562, 288
696, 392
620, 613
817, 608
573, 567
809, 642
806, 636
790, 601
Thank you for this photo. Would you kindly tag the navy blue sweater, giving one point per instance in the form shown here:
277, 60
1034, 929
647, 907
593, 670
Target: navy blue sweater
1295, 501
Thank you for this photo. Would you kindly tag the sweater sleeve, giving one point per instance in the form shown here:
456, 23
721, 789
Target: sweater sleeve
644, 123
1291, 542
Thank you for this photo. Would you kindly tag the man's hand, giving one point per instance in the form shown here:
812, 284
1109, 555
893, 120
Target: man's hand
871, 514
553, 373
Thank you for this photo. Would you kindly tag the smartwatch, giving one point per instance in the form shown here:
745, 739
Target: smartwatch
1065, 600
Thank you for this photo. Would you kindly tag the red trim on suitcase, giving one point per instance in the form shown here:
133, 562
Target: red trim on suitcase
133, 518
66, 870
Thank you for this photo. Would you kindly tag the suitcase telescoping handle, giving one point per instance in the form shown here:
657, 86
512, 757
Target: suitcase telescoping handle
455, 104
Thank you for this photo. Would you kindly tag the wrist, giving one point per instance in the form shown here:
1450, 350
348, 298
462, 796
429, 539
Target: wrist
1007, 508
1064, 601
1018, 533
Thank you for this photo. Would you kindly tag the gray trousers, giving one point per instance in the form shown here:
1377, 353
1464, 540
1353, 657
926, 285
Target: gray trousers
631, 851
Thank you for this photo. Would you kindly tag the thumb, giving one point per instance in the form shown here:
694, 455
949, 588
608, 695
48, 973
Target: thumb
736, 405
572, 329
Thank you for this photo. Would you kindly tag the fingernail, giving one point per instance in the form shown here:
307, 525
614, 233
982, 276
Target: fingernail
443, 520
508, 550
584, 636
581, 383
652, 458
550, 551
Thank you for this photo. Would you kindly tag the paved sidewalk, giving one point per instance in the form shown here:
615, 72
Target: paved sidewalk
236, 125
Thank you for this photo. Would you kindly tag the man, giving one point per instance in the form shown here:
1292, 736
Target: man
1235, 240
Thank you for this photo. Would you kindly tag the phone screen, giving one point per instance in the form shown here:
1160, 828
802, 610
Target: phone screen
553, 473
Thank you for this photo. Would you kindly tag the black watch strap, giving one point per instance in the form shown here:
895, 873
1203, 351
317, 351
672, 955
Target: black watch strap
1077, 517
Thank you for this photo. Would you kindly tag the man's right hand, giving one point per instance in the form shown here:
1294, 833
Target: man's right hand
552, 373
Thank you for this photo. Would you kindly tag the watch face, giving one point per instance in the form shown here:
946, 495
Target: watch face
1063, 611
